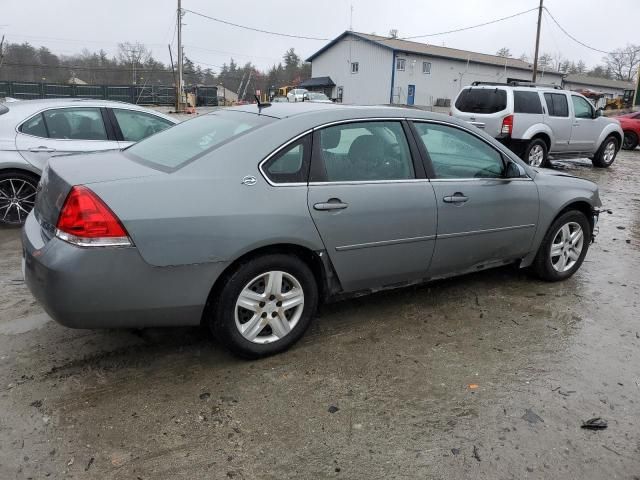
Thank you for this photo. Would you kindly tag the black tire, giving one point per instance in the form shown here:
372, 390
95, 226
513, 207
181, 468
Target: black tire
543, 264
223, 321
17, 196
630, 141
599, 160
537, 143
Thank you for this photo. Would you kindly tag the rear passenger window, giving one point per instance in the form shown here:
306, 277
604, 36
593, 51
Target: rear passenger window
291, 164
75, 124
557, 104
365, 151
34, 126
526, 102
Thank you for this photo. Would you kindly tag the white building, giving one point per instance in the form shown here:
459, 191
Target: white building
610, 88
370, 69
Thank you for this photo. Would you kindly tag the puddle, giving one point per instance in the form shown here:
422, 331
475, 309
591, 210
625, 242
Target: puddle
24, 324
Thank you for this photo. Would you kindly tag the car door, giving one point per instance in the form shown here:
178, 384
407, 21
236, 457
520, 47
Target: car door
64, 130
585, 129
131, 126
371, 203
557, 117
483, 216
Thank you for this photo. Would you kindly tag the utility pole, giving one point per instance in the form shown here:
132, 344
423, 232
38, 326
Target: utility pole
180, 57
1, 50
535, 55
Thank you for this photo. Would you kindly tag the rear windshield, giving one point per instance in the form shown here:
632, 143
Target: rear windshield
3, 109
175, 147
526, 102
482, 100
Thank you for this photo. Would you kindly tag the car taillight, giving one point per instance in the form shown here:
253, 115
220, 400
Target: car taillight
507, 125
86, 221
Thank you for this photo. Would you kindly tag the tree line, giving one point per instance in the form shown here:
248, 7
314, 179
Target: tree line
620, 64
135, 64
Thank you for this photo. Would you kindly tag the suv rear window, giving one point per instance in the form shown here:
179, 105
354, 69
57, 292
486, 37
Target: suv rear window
482, 100
526, 102
175, 147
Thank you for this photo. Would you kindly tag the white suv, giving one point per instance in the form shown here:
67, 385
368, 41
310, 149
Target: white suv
537, 121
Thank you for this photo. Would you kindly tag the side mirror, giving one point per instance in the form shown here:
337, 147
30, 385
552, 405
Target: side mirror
514, 170
598, 113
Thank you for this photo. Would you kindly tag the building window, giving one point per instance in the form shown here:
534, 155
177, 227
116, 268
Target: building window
355, 66
400, 63
426, 67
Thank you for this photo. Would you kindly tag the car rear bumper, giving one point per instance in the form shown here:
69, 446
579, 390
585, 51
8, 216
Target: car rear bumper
109, 287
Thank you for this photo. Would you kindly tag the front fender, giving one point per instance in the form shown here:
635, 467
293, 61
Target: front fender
613, 127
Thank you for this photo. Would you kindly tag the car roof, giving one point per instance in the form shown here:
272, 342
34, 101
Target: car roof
335, 111
23, 108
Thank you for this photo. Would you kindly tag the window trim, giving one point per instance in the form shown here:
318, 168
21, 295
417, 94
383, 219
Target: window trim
429, 165
424, 64
357, 68
404, 64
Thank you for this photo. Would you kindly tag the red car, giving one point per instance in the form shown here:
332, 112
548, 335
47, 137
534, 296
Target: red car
630, 123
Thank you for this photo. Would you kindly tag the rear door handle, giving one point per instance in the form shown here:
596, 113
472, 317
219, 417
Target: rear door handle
331, 204
455, 198
42, 149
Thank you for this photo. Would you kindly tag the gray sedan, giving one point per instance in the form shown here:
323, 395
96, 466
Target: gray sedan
33, 131
246, 218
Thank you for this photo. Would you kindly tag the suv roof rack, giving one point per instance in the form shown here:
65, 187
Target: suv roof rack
519, 84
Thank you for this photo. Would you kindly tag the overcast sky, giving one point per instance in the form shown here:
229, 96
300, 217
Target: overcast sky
68, 26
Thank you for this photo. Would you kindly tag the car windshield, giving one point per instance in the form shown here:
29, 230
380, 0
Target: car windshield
482, 100
185, 142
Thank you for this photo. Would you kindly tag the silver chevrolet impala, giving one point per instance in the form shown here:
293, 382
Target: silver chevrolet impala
246, 218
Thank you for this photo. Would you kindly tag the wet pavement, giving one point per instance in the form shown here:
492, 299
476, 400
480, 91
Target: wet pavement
486, 376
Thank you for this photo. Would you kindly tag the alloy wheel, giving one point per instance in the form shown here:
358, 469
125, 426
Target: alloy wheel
566, 247
536, 156
17, 198
269, 307
609, 152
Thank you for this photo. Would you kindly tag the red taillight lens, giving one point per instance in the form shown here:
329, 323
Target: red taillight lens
85, 217
507, 125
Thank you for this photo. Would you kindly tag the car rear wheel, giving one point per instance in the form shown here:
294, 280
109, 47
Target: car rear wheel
630, 141
265, 306
564, 247
536, 153
606, 154
17, 196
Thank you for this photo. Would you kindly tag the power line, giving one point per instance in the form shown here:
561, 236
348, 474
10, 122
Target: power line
254, 29
469, 27
578, 41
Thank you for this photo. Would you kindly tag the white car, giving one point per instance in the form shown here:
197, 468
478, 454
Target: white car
32, 131
297, 94
317, 97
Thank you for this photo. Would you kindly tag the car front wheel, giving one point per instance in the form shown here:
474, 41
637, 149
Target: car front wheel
17, 196
265, 306
630, 141
564, 247
606, 154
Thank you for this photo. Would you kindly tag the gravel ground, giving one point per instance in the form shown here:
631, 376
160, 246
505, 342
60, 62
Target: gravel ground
487, 376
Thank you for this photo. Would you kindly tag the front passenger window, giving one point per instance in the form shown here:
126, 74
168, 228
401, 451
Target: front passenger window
455, 153
582, 107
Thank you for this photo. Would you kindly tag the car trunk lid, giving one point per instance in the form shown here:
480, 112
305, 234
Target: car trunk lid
64, 172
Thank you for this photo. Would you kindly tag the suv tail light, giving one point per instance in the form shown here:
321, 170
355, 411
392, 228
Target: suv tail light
507, 125
86, 221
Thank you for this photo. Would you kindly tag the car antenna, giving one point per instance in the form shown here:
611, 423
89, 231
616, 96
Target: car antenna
261, 105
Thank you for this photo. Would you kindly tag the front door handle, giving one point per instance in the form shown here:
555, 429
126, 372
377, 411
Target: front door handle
455, 198
331, 204
42, 149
